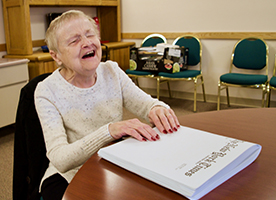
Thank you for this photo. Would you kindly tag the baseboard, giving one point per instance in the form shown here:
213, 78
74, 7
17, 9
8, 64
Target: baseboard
209, 98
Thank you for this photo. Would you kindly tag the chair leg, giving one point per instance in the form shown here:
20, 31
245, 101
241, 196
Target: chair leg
263, 96
268, 97
195, 88
203, 89
169, 88
227, 96
158, 86
218, 102
137, 82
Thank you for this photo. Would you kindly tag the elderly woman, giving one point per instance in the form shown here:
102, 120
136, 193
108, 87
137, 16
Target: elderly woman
80, 105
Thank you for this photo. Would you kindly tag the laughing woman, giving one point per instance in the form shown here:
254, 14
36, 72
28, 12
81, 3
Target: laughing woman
80, 105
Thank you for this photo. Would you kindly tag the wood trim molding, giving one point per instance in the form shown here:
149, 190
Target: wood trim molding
173, 35
206, 35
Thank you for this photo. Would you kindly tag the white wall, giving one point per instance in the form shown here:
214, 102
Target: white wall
204, 16
186, 16
2, 30
198, 15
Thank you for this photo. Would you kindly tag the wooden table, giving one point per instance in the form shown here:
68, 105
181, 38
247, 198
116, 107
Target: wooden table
99, 179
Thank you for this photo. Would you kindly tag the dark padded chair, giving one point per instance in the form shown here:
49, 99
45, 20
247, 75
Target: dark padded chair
193, 73
272, 84
30, 161
249, 60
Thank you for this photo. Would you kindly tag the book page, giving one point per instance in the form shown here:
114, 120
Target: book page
182, 161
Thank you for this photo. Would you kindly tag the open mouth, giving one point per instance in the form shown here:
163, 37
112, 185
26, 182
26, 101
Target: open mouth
89, 54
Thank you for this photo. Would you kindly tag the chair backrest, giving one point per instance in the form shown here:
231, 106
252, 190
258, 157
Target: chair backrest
250, 53
274, 70
30, 161
194, 46
153, 39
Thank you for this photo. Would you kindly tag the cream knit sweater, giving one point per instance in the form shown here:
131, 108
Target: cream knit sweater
75, 120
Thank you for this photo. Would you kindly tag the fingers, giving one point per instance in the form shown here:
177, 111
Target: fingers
164, 119
173, 120
134, 128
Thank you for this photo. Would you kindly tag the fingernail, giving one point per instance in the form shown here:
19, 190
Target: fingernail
165, 132
178, 126
175, 129
144, 139
153, 138
170, 131
157, 137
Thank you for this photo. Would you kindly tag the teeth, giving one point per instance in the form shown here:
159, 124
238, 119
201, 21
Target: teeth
89, 54
92, 52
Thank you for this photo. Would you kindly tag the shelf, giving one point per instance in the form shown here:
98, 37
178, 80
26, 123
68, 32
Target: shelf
17, 23
73, 2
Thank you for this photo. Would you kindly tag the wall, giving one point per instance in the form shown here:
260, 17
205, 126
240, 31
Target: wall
198, 15
188, 16
38, 18
204, 16
2, 32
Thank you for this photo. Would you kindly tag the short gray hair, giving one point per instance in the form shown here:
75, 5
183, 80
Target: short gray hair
51, 37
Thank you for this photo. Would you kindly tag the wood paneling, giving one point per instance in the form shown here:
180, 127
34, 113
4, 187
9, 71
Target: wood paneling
207, 35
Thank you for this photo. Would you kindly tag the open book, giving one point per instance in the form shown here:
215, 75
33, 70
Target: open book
190, 162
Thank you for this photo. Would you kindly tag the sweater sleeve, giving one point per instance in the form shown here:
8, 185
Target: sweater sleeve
65, 155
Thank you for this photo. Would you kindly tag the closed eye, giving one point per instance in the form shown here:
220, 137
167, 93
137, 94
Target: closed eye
73, 40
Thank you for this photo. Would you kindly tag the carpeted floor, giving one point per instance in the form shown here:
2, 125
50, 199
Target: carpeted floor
6, 162
180, 106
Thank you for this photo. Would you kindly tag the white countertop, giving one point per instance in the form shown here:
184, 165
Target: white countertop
5, 62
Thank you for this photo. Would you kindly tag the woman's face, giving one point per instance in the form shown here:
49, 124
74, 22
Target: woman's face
79, 48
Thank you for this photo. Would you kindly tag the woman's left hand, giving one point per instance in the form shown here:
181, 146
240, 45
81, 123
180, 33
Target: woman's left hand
164, 119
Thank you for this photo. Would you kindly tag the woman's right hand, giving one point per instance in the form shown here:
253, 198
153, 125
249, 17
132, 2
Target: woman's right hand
134, 128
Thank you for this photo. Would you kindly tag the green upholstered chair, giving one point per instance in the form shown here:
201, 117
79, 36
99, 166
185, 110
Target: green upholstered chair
193, 73
153, 39
135, 75
272, 84
249, 60
150, 41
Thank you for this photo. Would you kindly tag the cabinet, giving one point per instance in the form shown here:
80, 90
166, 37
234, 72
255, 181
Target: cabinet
19, 42
16, 15
13, 76
41, 63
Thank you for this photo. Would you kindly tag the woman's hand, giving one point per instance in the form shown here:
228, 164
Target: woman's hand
164, 119
134, 128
